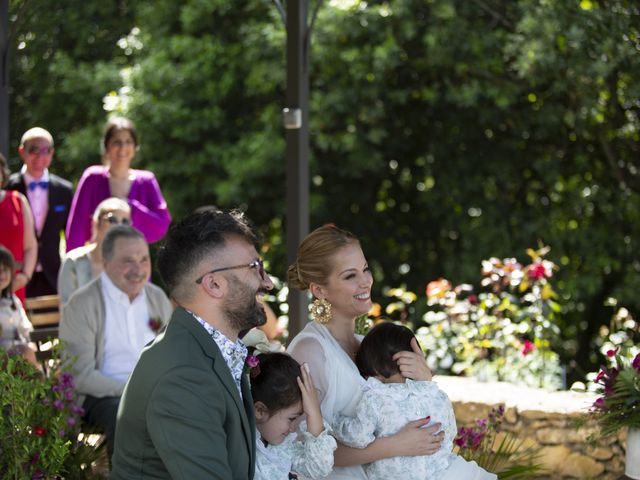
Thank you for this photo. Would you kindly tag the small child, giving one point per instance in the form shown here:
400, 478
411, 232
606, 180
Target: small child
282, 391
390, 401
15, 327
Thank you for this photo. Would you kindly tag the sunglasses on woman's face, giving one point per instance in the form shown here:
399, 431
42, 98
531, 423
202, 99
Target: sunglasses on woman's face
113, 219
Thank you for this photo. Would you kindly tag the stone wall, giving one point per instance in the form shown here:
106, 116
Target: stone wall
542, 419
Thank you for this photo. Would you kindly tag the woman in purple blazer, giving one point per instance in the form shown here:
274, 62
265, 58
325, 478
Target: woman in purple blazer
139, 188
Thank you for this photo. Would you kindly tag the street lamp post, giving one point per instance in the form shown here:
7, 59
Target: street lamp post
296, 123
4, 78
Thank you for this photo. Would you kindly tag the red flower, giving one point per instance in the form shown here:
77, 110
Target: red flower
155, 324
612, 353
527, 348
473, 299
39, 431
537, 271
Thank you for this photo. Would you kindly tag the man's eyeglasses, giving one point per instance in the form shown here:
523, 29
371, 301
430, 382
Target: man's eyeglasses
259, 264
39, 151
113, 219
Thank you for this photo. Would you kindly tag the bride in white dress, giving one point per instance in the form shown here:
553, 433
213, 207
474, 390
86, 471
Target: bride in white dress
332, 266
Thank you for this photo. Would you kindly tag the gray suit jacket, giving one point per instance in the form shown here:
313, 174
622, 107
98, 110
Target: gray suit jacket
82, 330
181, 416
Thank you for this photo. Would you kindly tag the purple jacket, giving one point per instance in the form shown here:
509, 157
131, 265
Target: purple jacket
149, 212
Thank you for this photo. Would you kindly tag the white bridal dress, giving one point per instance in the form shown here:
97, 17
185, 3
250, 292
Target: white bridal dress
335, 376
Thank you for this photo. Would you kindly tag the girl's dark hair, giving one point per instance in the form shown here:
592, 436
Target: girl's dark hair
379, 346
275, 385
6, 260
115, 125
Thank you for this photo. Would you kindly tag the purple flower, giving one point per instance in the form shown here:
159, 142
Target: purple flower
636, 362
61, 432
37, 475
77, 409
35, 459
66, 379
58, 404
71, 421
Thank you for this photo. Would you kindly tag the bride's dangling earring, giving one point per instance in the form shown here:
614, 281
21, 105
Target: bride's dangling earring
321, 311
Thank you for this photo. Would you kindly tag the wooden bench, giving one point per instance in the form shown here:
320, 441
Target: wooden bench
43, 311
44, 314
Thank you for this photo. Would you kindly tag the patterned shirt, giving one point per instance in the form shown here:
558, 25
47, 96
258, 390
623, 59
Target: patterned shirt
234, 353
387, 407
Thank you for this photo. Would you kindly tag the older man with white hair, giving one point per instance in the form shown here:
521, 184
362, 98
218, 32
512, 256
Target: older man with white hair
106, 324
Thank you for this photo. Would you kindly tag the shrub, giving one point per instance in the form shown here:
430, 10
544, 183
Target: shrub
40, 423
505, 332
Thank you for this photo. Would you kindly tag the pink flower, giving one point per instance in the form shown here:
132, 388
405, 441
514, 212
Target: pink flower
599, 404
527, 348
537, 271
473, 299
437, 288
253, 363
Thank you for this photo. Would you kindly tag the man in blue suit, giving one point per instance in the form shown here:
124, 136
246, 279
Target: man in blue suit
50, 199
187, 412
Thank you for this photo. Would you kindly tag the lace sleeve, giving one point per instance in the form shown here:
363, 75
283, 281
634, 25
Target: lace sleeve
313, 456
358, 431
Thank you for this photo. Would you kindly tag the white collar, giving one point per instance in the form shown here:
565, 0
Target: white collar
28, 178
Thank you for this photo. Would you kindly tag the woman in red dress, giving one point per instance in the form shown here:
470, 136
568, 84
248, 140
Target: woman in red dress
17, 233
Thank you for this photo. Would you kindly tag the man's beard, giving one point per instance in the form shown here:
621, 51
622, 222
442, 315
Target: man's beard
241, 309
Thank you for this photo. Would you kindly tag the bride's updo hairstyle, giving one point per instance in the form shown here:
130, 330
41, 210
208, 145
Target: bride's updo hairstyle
313, 263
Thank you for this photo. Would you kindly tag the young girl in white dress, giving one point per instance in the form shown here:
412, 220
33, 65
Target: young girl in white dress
389, 400
15, 327
282, 391
332, 266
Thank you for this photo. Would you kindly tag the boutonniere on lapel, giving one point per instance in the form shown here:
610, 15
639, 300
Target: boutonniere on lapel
155, 324
252, 366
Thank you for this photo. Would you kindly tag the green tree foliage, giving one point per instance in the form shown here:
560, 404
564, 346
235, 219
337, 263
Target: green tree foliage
442, 131
63, 59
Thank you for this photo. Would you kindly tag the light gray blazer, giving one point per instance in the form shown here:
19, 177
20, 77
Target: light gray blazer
82, 331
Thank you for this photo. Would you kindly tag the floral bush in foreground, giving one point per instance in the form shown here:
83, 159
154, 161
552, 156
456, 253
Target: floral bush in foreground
618, 385
505, 330
495, 451
40, 424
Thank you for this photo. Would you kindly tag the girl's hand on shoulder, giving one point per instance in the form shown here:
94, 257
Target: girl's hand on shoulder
310, 402
416, 439
413, 364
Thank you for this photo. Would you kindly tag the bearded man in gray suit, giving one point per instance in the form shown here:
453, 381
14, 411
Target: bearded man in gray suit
187, 412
